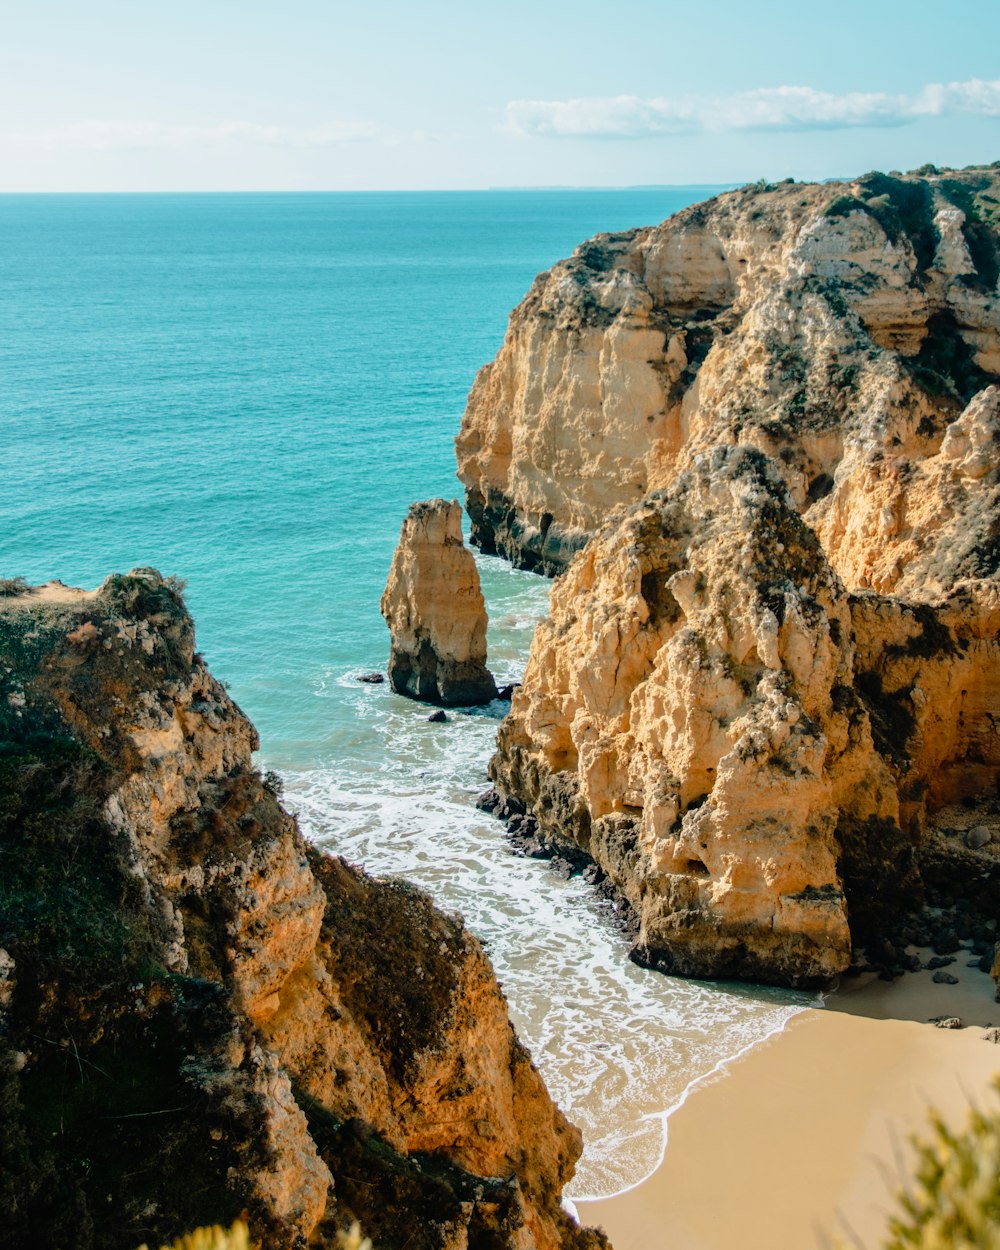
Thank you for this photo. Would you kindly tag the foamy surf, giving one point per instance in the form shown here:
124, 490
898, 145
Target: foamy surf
620, 1047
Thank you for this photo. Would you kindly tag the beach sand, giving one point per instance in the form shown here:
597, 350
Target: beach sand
805, 1139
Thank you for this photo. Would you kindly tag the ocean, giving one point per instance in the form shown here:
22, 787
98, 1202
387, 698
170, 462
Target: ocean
247, 391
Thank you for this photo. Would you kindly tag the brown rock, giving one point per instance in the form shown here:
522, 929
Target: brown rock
435, 611
273, 1023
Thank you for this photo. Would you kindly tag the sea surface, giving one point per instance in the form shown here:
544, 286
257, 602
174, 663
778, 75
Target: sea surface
247, 391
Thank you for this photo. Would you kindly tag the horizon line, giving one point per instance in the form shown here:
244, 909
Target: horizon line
634, 186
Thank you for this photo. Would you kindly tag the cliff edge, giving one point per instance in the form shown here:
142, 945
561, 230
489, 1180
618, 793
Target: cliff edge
840, 328
761, 444
199, 1013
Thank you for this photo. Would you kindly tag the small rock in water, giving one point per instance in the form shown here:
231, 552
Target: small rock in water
944, 978
507, 692
371, 679
488, 801
593, 874
562, 867
511, 807
939, 961
437, 717
949, 1022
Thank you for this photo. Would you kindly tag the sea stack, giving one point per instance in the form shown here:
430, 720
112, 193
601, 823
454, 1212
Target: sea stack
435, 611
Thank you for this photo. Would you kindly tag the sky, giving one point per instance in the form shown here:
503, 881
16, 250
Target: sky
127, 95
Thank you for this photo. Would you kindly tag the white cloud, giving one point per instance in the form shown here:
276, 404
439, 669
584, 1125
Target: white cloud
624, 116
111, 135
767, 108
974, 98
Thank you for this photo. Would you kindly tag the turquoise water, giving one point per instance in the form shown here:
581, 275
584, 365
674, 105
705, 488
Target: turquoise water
248, 391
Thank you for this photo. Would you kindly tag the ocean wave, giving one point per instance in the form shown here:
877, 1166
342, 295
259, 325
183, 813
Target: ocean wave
618, 1046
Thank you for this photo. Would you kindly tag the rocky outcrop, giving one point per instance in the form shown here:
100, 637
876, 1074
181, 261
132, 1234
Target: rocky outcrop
769, 677
840, 328
200, 1014
435, 611
750, 752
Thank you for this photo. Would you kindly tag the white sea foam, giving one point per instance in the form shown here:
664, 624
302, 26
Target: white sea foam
619, 1046
323, 420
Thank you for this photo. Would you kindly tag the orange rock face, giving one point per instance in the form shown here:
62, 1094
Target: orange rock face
332, 1027
842, 329
435, 611
770, 430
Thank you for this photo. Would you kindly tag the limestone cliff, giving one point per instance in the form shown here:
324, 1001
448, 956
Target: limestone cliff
840, 328
199, 1013
435, 611
765, 698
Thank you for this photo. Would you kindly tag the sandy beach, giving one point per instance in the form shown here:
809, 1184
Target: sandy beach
805, 1139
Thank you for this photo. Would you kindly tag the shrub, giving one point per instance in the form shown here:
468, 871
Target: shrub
216, 1238
953, 1202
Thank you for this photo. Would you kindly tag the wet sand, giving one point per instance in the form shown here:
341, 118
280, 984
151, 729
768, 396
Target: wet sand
806, 1139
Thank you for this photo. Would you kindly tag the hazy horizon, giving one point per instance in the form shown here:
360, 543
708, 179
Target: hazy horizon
321, 96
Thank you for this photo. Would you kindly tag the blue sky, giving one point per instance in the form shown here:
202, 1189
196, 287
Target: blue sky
304, 95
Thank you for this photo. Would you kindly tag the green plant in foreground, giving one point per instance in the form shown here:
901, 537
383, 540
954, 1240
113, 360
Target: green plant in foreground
352, 1239
238, 1238
216, 1238
953, 1202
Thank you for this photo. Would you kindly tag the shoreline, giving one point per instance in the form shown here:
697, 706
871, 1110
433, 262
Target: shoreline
714, 1074
806, 1134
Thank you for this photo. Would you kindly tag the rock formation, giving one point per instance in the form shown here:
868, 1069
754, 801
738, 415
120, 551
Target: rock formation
435, 611
199, 1013
840, 328
765, 698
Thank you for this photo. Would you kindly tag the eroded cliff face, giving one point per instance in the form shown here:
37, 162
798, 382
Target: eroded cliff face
842, 329
765, 698
199, 1013
434, 608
